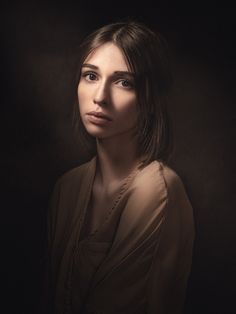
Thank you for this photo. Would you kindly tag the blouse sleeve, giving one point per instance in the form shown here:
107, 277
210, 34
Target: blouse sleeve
170, 269
52, 213
46, 298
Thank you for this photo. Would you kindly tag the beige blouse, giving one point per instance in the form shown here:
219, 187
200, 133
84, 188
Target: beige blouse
140, 258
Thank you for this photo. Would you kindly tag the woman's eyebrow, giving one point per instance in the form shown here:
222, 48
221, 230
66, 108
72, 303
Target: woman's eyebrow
88, 65
94, 67
124, 73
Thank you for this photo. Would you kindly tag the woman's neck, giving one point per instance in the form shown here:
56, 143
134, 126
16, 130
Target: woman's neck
116, 158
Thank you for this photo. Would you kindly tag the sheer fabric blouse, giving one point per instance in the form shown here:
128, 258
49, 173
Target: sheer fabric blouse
140, 258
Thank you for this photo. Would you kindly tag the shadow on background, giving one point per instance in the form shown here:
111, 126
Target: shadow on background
38, 66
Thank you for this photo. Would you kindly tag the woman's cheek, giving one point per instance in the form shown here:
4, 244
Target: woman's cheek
82, 101
125, 102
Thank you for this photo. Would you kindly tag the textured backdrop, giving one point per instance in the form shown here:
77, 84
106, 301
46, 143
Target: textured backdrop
38, 54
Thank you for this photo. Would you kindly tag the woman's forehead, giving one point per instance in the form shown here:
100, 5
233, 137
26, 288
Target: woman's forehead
108, 55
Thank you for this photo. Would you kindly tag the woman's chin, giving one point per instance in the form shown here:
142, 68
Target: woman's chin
97, 133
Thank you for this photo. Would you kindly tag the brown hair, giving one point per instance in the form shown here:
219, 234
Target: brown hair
147, 57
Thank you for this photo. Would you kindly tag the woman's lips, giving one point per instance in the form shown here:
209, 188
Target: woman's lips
99, 119
99, 115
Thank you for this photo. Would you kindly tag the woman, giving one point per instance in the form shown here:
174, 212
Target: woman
121, 226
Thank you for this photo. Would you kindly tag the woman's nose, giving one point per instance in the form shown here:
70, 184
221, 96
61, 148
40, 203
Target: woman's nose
101, 94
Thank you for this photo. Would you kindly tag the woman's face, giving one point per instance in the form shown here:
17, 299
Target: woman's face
106, 87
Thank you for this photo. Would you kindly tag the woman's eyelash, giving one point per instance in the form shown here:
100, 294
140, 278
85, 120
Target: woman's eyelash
89, 73
93, 77
130, 84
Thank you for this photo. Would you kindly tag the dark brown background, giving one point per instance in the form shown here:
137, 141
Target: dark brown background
38, 54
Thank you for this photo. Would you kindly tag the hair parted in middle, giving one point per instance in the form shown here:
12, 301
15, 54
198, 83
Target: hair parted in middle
146, 55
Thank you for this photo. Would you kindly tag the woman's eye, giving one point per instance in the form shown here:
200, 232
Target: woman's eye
90, 76
125, 83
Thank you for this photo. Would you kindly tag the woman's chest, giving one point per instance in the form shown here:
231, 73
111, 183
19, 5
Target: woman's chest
97, 213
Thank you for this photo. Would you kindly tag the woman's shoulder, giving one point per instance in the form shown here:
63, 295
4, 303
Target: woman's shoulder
76, 174
159, 179
159, 189
176, 189
172, 179
176, 195
158, 172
